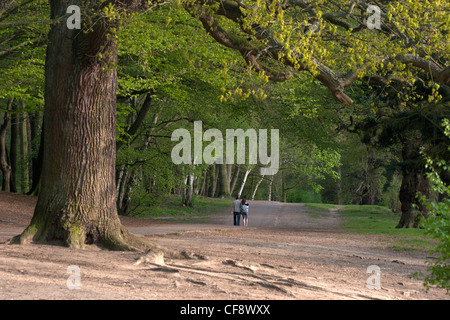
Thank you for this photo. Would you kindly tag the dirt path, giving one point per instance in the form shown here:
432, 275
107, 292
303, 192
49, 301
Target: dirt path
285, 253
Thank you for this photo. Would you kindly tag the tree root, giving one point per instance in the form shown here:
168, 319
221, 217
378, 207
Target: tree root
123, 240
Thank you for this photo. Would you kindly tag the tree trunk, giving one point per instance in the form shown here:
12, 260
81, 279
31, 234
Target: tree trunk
77, 202
126, 188
214, 175
269, 196
407, 194
409, 185
202, 191
23, 135
188, 192
36, 164
4, 166
369, 196
244, 180
224, 187
234, 178
13, 148
256, 188
123, 190
283, 187
339, 187
423, 188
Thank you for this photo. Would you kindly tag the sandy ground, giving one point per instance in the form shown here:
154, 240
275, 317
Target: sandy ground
285, 253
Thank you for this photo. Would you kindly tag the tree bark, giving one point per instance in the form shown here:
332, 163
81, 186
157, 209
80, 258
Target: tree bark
256, 188
407, 194
213, 186
269, 196
187, 193
409, 185
13, 148
36, 164
77, 202
23, 138
224, 187
202, 191
234, 178
423, 188
244, 180
4, 165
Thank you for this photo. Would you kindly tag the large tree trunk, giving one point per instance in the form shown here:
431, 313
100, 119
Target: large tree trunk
423, 189
410, 181
224, 187
77, 202
407, 194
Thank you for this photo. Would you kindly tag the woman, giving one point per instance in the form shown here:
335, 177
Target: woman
244, 211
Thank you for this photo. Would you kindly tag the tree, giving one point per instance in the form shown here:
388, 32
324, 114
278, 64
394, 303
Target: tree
77, 202
4, 166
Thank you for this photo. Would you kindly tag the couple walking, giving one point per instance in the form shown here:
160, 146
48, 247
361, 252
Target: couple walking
237, 208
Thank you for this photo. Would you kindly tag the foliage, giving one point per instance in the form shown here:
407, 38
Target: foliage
438, 223
22, 51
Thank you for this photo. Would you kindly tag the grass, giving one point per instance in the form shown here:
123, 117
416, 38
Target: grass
315, 210
380, 220
171, 208
320, 207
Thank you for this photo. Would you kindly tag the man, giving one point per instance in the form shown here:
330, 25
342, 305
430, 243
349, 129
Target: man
236, 211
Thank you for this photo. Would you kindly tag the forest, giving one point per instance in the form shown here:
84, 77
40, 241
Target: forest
87, 115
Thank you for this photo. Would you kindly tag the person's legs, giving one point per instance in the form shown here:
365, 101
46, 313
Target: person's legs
237, 216
245, 219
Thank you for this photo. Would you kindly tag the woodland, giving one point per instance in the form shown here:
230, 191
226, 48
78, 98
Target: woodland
87, 115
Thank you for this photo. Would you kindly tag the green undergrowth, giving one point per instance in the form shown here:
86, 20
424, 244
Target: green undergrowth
379, 220
171, 208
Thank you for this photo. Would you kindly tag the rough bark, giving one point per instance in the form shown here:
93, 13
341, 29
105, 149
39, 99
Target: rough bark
423, 189
406, 196
224, 187
410, 181
77, 202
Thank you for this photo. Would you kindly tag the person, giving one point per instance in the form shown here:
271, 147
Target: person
236, 211
244, 211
